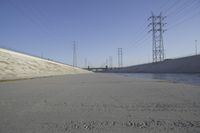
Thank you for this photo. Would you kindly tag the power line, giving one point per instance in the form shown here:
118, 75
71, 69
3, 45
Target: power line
172, 6
34, 16
184, 9
29, 17
181, 8
139, 33
183, 21
142, 39
164, 4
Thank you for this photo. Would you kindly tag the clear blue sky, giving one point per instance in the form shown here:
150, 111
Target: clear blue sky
49, 27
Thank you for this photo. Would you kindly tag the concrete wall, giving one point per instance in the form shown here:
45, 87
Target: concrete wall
189, 64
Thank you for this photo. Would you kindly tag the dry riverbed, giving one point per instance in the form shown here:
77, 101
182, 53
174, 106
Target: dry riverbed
98, 103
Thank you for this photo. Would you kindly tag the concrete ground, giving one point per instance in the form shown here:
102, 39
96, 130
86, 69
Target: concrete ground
98, 103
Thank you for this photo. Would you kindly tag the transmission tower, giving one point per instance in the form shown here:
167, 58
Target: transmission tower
74, 54
120, 57
157, 24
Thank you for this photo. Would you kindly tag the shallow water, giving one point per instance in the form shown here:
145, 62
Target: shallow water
193, 79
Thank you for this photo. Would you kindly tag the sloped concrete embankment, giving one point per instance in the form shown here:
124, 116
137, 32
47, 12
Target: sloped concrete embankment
190, 64
14, 65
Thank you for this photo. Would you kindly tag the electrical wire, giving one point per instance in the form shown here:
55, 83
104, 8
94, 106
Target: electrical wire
183, 21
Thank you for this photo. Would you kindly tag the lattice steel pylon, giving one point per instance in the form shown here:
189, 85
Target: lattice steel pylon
157, 24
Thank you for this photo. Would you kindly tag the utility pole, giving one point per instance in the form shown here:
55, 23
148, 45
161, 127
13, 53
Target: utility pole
120, 57
196, 52
74, 54
110, 62
157, 24
86, 63
41, 54
106, 62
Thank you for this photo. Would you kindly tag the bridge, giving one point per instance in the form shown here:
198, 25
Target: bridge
98, 69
